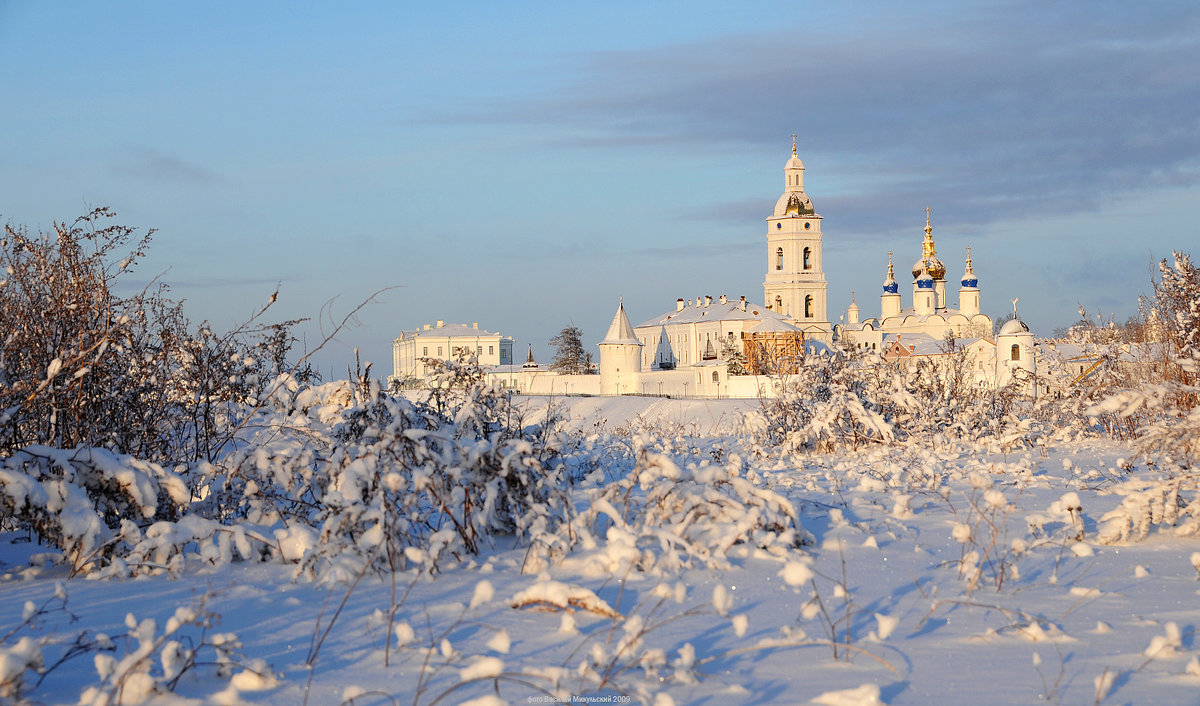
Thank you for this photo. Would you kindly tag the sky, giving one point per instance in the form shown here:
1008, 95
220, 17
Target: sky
528, 165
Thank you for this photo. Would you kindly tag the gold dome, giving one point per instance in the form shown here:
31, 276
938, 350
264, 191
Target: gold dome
798, 205
937, 270
929, 260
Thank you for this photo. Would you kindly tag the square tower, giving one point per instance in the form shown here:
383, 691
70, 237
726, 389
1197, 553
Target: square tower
795, 284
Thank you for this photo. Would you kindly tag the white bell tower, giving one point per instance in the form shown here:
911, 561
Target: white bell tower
795, 284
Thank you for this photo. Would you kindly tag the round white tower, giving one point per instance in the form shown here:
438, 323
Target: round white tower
1015, 360
620, 356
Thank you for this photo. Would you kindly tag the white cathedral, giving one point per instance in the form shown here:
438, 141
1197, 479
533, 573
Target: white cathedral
729, 348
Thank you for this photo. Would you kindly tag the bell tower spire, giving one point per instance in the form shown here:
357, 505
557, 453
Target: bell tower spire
795, 283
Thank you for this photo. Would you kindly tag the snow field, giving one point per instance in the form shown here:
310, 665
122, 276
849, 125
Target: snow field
700, 569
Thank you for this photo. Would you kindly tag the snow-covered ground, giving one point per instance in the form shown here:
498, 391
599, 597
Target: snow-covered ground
933, 572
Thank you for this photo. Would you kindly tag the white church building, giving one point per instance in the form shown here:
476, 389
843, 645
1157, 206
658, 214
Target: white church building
688, 349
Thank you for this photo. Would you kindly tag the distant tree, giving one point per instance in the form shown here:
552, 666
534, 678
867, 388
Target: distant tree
570, 357
1101, 331
1003, 319
734, 356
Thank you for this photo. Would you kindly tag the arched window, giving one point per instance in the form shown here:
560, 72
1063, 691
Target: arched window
778, 304
779, 258
808, 307
1016, 352
808, 258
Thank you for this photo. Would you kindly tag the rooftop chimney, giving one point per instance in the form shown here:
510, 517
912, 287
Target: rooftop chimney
724, 299
743, 302
707, 300
441, 323
427, 327
679, 304
475, 325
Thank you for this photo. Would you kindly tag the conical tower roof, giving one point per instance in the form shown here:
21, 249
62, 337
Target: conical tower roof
620, 331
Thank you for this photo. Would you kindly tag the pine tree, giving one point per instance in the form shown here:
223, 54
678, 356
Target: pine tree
570, 357
735, 358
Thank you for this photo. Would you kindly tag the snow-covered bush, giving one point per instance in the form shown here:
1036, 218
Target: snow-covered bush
662, 517
350, 477
1169, 441
83, 501
81, 366
833, 401
1175, 320
1148, 503
848, 399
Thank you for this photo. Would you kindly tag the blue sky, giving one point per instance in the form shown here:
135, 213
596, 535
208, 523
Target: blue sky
524, 165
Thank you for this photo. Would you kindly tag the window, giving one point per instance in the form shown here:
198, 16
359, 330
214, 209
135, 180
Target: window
778, 303
439, 351
779, 258
425, 350
715, 379
1016, 352
479, 350
491, 350
808, 258
808, 302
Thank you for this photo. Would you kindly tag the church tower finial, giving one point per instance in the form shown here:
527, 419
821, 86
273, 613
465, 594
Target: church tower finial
929, 254
927, 248
794, 145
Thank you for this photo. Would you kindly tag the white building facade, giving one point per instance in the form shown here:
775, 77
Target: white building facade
446, 341
700, 331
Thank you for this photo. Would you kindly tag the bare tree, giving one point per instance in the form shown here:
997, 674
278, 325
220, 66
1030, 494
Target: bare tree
80, 365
